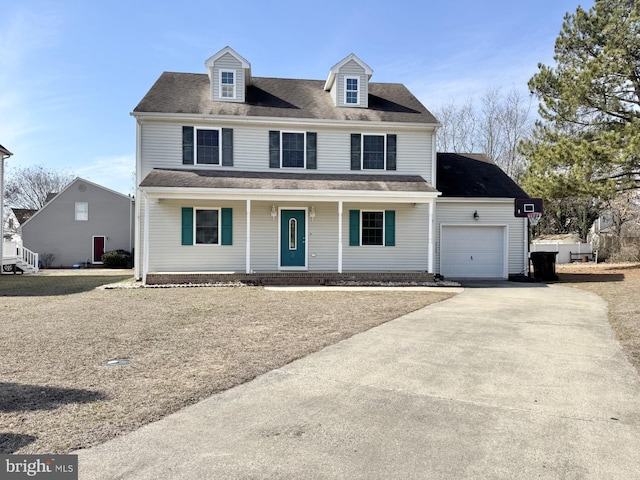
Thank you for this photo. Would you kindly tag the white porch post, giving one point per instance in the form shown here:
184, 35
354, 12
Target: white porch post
145, 260
431, 226
248, 247
340, 236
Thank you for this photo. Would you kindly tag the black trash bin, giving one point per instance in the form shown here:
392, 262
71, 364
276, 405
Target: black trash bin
544, 265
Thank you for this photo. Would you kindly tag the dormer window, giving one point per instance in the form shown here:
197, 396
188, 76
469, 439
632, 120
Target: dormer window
352, 90
227, 83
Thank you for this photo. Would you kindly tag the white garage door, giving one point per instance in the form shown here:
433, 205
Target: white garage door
472, 252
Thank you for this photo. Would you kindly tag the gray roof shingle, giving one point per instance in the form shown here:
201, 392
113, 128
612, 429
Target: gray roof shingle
189, 93
474, 175
168, 178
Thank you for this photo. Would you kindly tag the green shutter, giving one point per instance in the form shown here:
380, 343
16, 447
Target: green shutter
390, 228
187, 145
187, 226
391, 152
311, 150
227, 147
274, 149
227, 226
354, 228
356, 140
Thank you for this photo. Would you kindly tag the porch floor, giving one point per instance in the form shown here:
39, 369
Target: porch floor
288, 278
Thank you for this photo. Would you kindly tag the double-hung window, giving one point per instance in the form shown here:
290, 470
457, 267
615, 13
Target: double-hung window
227, 84
206, 226
373, 152
372, 228
293, 149
207, 146
352, 90
82, 211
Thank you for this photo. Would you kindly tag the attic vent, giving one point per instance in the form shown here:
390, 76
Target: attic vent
82, 187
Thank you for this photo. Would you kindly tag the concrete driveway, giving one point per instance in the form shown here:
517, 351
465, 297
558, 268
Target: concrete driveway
502, 381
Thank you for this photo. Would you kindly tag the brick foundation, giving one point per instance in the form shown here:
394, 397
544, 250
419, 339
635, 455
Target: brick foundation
288, 278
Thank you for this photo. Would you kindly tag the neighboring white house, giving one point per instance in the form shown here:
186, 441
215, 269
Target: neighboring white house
242, 174
14, 218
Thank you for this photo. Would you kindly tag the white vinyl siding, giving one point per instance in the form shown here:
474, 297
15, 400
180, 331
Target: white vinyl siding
410, 252
228, 62
352, 70
166, 252
496, 213
161, 147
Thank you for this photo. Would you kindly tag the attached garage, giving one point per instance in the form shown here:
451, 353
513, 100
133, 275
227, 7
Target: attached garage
473, 251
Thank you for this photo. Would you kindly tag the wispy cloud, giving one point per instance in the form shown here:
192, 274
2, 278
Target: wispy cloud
115, 173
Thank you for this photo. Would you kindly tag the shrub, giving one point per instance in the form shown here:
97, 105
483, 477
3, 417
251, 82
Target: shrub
116, 259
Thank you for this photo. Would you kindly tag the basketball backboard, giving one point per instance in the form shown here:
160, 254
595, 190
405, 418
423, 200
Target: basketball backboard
524, 206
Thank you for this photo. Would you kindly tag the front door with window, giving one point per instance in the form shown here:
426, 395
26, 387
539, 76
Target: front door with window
98, 249
292, 239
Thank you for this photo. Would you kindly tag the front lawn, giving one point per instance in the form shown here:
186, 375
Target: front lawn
58, 394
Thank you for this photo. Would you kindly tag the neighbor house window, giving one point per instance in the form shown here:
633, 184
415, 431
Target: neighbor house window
82, 211
372, 228
351, 90
227, 84
207, 146
373, 152
206, 227
293, 149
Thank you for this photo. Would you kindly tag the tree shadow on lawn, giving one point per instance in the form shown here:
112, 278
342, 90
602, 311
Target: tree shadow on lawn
34, 286
590, 277
12, 442
16, 397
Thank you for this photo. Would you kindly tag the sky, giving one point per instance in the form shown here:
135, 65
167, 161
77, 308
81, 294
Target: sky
71, 72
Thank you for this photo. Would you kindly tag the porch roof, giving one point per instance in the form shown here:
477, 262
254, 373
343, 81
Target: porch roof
243, 182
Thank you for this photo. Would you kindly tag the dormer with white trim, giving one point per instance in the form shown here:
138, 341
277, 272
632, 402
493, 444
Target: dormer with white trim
348, 82
229, 75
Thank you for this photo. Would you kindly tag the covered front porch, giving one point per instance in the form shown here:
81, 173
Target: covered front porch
290, 228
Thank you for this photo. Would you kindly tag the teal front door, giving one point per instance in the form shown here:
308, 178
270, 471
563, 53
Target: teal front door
292, 239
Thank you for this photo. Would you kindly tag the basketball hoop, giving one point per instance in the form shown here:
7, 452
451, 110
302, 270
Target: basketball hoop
534, 218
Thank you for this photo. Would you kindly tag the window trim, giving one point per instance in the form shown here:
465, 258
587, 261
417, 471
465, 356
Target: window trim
384, 225
234, 84
195, 146
304, 148
86, 211
346, 91
219, 226
384, 150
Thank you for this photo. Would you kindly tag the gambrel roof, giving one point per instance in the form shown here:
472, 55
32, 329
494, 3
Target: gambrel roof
189, 93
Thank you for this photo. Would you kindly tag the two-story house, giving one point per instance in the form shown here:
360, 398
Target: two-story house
251, 176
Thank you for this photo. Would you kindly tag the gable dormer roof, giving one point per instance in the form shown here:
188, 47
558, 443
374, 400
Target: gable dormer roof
336, 68
229, 75
212, 59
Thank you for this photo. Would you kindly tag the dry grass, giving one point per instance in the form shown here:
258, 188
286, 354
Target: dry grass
619, 285
185, 344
